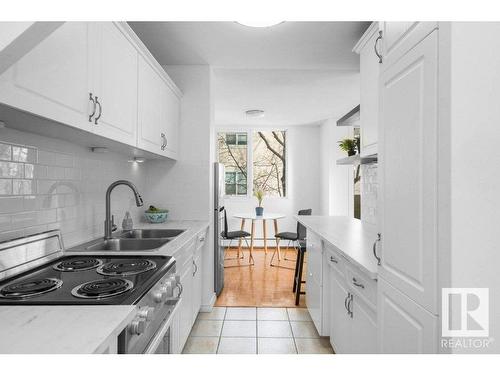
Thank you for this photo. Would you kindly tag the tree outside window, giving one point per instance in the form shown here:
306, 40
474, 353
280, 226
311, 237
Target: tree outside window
268, 157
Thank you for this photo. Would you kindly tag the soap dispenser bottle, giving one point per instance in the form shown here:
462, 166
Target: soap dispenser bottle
127, 223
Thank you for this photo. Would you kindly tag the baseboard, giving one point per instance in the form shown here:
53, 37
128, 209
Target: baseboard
209, 307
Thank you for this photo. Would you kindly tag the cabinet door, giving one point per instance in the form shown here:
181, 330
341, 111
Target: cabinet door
186, 309
340, 322
313, 301
172, 106
364, 328
152, 114
400, 37
403, 325
115, 83
175, 347
197, 285
53, 79
407, 171
314, 257
369, 95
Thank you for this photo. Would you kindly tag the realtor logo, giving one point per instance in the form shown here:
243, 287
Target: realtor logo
465, 312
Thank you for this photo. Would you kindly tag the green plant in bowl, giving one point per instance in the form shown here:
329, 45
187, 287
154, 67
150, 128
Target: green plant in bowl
156, 215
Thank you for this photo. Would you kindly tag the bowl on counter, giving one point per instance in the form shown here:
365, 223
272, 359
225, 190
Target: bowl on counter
156, 217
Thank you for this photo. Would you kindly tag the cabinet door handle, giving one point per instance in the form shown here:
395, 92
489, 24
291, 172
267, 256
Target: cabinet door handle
349, 311
379, 237
358, 284
379, 55
100, 111
181, 289
164, 141
332, 259
195, 268
94, 106
345, 301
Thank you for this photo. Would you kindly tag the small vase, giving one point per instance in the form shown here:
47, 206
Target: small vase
351, 152
259, 211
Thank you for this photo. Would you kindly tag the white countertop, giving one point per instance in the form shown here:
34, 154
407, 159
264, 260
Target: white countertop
353, 238
79, 329
61, 329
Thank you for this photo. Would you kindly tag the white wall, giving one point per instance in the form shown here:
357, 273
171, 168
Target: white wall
303, 183
336, 180
47, 183
474, 177
184, 186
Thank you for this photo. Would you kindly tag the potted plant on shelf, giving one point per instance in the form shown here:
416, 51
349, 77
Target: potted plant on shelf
348, 145
259, 211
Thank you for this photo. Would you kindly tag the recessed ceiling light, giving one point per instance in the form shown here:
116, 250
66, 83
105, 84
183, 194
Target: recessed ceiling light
99, 150
259, 23
255, 113
137, 160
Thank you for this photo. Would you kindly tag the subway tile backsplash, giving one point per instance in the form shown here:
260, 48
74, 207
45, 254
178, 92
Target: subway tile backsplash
48, 183
369, 193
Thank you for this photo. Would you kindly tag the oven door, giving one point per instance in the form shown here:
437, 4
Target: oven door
162, 341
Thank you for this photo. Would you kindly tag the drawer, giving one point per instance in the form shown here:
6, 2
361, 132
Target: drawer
184, 257
334, 259
361, 285
200, 239
314, 256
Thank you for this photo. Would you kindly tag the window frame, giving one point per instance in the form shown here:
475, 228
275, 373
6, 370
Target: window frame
249, 132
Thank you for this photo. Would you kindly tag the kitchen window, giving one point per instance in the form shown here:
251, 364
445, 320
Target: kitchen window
267, 156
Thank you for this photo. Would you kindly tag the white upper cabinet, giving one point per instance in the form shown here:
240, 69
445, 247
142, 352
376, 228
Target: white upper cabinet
399, 37
369, 93
408, 173
53, 79
158, 112
114, 84
98, 77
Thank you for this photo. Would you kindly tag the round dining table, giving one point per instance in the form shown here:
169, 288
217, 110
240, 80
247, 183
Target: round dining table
252, 217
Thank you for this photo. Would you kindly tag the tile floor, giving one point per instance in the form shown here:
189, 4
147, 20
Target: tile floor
251, 330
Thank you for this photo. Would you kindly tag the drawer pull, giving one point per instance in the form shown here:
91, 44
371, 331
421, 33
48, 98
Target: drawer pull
332, 259
359, 285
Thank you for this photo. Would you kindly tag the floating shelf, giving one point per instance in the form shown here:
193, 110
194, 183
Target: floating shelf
357, 159
351, 118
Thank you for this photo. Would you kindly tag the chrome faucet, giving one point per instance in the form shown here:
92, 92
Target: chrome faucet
109, 222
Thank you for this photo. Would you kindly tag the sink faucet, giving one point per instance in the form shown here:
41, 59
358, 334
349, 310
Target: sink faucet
108, 223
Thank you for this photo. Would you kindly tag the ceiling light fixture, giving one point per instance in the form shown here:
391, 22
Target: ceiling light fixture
137, 160
254, 113
259, 23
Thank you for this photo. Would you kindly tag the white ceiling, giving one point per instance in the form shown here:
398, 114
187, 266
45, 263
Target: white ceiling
288, 97
296, 45
298, 72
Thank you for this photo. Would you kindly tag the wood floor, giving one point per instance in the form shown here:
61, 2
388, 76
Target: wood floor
260, 285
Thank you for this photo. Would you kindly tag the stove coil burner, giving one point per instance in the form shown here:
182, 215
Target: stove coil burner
79, 264
100, 289
30, 288
126, 267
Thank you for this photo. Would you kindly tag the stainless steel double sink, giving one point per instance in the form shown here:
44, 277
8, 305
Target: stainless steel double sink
133, 240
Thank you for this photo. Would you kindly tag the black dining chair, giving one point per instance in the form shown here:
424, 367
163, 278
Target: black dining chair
235, 235
292, 237
299, 269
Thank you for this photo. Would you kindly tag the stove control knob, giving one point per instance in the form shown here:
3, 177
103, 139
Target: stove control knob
159, 296
146, 313
168, 289
137, 326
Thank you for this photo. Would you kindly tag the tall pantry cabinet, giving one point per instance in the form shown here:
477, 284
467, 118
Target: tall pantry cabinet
408, 308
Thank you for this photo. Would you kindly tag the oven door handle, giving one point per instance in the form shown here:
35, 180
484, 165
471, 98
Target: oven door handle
158, 338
